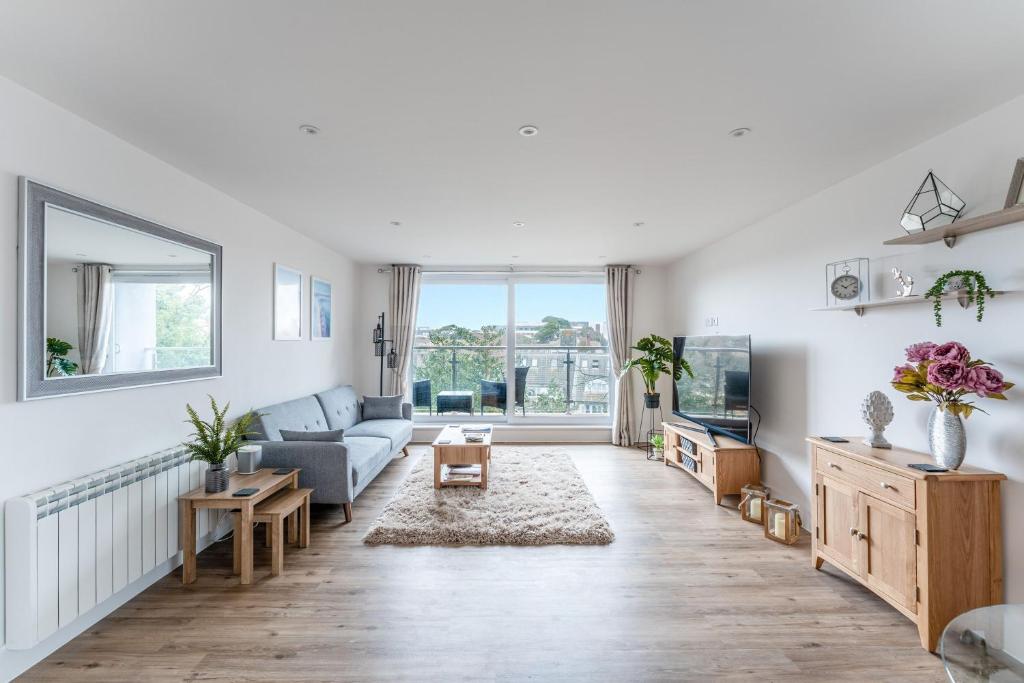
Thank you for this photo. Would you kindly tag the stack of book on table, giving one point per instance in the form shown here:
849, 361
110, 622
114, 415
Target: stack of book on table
460, 472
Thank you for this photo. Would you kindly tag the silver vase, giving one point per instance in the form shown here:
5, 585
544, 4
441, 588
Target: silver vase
217, 479
947, 439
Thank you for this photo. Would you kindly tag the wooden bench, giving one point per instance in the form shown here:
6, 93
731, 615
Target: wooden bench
290, 504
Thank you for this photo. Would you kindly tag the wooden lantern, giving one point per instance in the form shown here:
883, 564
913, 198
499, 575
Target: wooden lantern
753, 498
782, 521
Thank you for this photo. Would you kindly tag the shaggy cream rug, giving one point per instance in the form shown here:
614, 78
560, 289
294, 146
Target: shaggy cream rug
532, 498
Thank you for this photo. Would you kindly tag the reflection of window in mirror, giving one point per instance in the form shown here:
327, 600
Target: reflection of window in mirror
124, 301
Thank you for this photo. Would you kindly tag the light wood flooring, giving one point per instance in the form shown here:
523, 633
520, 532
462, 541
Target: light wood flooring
686, 592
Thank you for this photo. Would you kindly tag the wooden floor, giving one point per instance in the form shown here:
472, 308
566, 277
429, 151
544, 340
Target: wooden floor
687, 592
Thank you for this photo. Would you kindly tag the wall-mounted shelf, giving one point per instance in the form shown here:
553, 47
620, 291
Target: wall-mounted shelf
960, 297
949, 233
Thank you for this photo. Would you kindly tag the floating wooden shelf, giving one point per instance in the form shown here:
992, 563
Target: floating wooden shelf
960, 297
949, 233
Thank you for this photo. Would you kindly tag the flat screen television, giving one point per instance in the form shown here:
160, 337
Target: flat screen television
718, 395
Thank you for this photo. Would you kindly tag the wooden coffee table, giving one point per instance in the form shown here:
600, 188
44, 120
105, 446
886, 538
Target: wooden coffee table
460, 452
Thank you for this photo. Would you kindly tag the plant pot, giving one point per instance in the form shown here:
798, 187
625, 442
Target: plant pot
652, 400
947, 439
217, 478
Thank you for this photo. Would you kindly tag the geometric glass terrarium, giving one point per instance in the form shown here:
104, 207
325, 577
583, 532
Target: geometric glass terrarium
933, 205
783, 521
753, 498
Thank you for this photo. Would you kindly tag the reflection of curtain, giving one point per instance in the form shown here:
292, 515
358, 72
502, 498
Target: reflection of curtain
620, 336
403, 300
95, 315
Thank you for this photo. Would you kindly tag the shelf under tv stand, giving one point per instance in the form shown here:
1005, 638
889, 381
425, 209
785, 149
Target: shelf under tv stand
723, 469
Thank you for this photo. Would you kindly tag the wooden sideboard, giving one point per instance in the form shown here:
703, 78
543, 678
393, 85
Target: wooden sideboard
929, 544
724, 468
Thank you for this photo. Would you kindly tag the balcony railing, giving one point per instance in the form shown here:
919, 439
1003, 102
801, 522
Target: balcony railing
549, 380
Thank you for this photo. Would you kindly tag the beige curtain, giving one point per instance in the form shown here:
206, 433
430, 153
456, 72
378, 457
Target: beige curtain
95, 315
620, 336
403, 301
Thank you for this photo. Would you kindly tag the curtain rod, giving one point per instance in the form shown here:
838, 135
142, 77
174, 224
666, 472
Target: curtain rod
506, 271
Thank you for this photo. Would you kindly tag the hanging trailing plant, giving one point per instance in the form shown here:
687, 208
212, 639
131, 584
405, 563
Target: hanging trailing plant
972, 281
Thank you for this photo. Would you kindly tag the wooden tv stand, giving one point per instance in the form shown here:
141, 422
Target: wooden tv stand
724, 469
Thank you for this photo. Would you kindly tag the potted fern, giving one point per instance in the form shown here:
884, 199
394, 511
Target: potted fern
657, 359
215, 441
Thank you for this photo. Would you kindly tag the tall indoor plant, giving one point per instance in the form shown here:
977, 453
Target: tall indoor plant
57, 362
656, 359
214, 442
947, 375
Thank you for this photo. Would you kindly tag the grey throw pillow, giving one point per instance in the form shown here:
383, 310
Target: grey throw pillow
382, 407
332, 435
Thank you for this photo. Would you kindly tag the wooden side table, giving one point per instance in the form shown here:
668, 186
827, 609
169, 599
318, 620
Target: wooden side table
268, 484
458, 451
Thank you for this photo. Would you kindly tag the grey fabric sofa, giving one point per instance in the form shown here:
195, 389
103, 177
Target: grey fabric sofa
336, 471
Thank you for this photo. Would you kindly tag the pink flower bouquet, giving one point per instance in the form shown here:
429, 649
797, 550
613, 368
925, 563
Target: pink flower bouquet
946, 374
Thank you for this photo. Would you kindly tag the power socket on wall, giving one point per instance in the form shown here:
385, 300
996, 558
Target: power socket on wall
711, 321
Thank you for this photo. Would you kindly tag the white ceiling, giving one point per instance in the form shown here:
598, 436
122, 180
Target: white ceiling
71, 237
419, 104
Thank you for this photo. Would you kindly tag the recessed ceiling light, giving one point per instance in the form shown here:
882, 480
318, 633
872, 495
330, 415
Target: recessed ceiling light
309, 129
602, 257
518, 224
396, 223
738, 132
172, 256
639, 224
515, 255
529, 131
78, 253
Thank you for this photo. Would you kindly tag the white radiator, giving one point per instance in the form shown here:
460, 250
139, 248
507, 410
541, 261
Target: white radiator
70, 547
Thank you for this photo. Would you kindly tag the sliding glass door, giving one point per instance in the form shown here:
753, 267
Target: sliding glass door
553, 367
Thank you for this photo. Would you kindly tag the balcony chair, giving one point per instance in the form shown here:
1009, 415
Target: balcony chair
421, 395
495, 394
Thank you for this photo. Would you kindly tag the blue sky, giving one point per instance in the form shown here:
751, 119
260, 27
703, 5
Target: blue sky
484, 304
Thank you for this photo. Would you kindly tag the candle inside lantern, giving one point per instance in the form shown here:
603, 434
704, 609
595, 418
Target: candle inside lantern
755, 508
779, 527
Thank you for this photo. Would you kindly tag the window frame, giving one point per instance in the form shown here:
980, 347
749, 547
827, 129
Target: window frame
510, 280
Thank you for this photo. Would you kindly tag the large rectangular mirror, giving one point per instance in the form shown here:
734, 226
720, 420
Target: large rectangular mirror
109, 300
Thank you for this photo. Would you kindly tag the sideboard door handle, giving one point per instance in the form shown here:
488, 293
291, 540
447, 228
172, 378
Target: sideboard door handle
861, 536
834, 466
886, 486
853, 532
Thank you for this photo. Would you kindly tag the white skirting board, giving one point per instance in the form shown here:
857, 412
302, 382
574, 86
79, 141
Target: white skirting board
78, 549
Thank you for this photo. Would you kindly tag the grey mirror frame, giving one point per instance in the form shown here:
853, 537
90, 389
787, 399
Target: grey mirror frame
34, 197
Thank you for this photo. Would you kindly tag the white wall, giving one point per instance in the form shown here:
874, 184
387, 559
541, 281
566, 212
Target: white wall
650, 316
52, 440
812, 369
62, 305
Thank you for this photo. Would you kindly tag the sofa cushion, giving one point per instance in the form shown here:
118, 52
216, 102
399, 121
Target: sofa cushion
382, 407
368, 455
340, 406
302, 414
335, 435
399, 432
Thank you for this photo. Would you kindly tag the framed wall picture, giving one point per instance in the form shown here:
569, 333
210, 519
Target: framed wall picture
320, 308
287, 303
1015, 195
